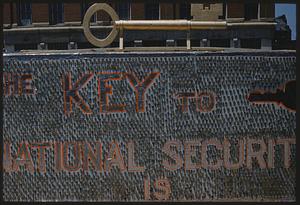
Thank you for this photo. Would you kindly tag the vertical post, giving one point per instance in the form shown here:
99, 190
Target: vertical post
188, 40
42, 46
174, 10
258, 10
1, 88
72, 45
226, 10
121, 39
266, 44
159, 11
235, 43
11, 14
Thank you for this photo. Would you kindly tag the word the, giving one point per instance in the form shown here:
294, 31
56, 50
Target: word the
16, 84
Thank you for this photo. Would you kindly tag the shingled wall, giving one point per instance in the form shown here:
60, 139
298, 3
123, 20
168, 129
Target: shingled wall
42, 117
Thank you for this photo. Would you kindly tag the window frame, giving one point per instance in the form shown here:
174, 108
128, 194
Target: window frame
24, 12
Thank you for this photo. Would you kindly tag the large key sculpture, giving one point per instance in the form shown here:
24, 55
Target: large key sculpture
121, 25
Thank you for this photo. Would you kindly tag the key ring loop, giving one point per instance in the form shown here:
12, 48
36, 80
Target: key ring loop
86, 25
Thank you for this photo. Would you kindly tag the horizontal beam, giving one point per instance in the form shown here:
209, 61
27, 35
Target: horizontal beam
182, 24
248, 24
151, 25
168, 24
170, 1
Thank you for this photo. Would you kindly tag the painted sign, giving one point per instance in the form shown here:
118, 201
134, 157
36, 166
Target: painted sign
185, 126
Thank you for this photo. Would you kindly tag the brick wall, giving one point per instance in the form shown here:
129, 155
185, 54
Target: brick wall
40, 12
177, 12
235, 10
137, 11
7, 13
72, 12
166, 11
206, 13
267, 10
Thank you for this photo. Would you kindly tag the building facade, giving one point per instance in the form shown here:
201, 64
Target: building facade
59, 25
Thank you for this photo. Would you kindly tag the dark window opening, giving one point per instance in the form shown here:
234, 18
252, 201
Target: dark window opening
206, 6
151, 11
251, 11
251, 43
129, 43
57, 46
195, 43
220, 43
123, 10
56, 13
84, 8
83, 45
24, 13
267, 10
19, 47
154, 43
181, 43
185, 11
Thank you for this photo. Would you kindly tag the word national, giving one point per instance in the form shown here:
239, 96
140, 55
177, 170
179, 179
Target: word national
72, 156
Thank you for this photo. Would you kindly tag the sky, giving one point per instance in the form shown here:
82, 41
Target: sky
290, 12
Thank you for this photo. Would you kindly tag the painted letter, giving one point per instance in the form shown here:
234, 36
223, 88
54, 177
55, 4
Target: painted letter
189, 152
132, 167
259, 155
94, 156
23, 158
140, 88
164, 189
71, 92
204, 146
287, 151
173, 154
41, 155
241, 157
104, 90
115, 158
66, 160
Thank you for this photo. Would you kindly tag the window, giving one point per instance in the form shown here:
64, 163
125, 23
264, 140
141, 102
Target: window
124, 10
84, 8
185, 11
56, 13
251, 11
24, 12
152, 11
